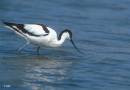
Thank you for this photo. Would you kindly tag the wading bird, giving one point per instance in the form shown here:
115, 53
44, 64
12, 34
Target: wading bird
40, 35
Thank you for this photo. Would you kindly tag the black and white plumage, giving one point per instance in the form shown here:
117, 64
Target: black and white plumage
40, 35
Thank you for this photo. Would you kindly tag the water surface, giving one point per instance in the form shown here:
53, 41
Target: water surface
101, 29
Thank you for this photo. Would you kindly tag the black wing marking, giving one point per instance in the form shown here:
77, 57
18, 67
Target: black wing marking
11, 26
20, 27
44, 28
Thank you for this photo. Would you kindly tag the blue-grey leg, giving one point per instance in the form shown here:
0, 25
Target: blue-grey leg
27, 43
38, 48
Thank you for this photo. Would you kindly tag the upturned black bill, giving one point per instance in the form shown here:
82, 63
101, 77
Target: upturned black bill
75, 46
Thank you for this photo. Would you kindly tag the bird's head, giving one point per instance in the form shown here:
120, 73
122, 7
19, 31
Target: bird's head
68, 34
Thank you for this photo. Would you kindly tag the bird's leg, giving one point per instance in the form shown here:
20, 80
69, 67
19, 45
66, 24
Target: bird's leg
23, 46
38, 48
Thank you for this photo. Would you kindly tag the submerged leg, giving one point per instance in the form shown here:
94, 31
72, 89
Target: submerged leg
38, 48
23, 46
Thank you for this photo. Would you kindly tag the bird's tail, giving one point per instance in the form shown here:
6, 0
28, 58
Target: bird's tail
11, 26
7, 23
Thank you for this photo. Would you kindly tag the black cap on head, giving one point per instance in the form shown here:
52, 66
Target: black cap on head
71, 40
66, 30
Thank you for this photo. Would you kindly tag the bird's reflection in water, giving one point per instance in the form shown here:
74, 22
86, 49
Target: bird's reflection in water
44, 73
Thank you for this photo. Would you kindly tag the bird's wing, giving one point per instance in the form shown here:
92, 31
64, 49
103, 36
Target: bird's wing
30, 29
36, 29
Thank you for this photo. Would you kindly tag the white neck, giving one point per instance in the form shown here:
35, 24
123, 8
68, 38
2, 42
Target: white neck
59, 41
62, 40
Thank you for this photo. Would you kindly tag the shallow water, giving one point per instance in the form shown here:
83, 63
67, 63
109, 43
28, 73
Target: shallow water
101, 29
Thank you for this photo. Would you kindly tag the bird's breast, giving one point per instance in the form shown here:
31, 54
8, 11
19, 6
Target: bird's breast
45, 41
